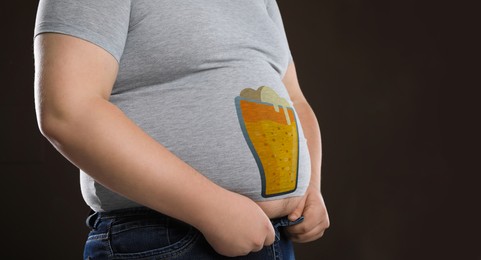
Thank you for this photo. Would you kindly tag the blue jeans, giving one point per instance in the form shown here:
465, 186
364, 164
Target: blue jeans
141, 233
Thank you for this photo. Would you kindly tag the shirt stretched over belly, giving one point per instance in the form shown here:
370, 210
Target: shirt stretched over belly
203, 78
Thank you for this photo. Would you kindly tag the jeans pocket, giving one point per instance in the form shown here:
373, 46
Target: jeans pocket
139, 238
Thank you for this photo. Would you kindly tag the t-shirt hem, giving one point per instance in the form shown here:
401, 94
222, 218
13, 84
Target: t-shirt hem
299, 192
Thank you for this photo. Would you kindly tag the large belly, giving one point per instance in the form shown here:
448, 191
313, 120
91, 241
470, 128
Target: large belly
242, 146
279, 208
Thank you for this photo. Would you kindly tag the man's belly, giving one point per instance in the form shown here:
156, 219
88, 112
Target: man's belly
279, 208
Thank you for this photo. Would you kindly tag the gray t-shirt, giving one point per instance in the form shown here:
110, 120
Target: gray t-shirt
203, 78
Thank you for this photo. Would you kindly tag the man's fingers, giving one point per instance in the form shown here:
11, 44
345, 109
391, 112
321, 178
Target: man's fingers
307, 225
312, 235
271, 237
297, 213
305, 238
309, 230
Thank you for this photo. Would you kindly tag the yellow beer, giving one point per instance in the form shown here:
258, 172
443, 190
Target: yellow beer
273, 138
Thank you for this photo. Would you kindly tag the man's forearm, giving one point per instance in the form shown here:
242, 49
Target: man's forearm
104, 143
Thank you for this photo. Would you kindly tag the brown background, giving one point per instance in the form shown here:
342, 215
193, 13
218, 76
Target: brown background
390, 83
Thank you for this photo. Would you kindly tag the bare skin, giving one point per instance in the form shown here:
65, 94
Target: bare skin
73, 82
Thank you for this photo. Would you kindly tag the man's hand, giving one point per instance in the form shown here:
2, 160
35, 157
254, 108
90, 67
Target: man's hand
237, 226
316, 219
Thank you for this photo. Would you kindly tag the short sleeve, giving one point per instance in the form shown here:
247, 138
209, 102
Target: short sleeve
275, 14
101, 22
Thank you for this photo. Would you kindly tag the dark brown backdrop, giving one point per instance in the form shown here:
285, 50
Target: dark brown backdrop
389, 82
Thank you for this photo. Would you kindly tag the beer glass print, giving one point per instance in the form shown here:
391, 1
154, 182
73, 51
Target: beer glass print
270, 130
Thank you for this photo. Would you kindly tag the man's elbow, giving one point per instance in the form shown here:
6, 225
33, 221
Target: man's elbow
55, 121
50, 126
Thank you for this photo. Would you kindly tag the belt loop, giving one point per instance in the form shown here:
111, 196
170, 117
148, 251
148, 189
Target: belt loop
92, 220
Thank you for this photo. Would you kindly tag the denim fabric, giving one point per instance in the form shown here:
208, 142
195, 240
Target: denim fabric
141, 233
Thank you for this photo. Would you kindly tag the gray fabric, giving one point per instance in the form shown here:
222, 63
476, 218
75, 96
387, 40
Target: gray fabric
183, 65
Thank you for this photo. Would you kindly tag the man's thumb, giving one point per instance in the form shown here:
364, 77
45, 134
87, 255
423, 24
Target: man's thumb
297, 213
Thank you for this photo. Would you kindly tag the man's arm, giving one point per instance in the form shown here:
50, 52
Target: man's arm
73, 82
312, 206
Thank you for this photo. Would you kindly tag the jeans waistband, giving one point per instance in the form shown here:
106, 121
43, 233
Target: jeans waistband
94, 217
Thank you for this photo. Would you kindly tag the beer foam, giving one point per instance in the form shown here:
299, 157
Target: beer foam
268, 95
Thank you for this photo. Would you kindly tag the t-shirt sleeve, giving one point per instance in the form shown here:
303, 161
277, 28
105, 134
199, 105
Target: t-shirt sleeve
275, 14
101, 22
